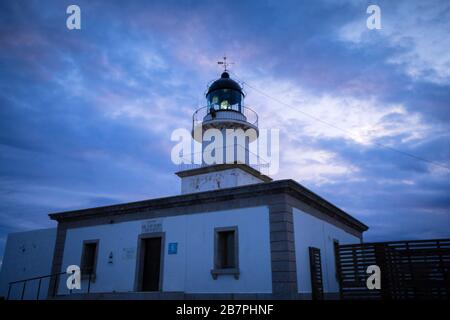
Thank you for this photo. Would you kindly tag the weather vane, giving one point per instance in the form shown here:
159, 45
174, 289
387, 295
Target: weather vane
225, 63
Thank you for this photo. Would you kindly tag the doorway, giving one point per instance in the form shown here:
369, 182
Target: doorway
149, 277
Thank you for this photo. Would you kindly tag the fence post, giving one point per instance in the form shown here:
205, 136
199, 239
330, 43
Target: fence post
380, 258
23, 290
39, 289
89, 283
337, 257
55, 285
9, 291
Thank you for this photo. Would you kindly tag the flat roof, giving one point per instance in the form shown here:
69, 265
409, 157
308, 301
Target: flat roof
287, 186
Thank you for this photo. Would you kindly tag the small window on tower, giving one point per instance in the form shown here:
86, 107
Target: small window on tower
226, 252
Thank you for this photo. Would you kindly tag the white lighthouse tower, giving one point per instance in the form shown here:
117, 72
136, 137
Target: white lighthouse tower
225, 127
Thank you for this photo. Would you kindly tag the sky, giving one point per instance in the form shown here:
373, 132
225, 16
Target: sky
86, 115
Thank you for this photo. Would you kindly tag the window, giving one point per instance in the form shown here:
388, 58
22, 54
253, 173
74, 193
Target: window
225, 99
226, 252
226, 249
89, 257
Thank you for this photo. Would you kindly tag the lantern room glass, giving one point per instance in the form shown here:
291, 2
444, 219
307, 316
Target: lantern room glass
225, 99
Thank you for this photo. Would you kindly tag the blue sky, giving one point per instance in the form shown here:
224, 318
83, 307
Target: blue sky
86, 115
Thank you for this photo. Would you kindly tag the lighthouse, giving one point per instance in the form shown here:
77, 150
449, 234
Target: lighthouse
233, 233
226, 129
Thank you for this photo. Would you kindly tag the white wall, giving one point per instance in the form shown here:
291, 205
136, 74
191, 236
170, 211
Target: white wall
217, 180
27, 255
310, 231
190, 269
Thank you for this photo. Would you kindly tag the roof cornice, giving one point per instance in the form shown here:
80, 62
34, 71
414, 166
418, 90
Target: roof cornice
289, 187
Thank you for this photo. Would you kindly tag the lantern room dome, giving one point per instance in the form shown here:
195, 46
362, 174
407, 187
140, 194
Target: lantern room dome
225, 82
225, 94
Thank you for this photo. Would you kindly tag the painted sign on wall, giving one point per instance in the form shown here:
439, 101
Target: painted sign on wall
128, 253
173, 248
151, 226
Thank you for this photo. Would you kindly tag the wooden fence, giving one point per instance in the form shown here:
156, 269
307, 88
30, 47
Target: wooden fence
409, 269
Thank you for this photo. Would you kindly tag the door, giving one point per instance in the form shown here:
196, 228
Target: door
315, 263
151, 264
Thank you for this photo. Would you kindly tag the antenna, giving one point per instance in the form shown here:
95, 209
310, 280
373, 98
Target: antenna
225, 63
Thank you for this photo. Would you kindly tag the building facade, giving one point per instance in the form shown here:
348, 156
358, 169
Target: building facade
232, 233
273, 223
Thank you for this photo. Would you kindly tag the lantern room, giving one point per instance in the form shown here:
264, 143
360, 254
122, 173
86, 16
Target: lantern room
225, 94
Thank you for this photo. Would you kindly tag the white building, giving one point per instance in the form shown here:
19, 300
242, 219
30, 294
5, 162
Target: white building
232, 233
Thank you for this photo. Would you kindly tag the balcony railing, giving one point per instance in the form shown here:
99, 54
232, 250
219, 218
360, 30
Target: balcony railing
249, 158
236, 113
263, 168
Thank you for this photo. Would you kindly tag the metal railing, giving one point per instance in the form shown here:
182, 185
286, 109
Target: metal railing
237, 113
51, 277
262, 168
189, 160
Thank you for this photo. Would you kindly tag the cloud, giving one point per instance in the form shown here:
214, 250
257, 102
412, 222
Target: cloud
314, 166
325, 116
419, 33
341, 119
86, 116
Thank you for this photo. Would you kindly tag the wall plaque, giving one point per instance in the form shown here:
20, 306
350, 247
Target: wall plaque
151, 226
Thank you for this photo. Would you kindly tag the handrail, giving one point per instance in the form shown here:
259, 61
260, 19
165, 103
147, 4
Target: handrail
31, 279
35, 278
247, 115
39, 285
260, 165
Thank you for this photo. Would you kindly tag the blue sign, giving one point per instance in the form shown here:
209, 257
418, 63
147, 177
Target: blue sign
173, 247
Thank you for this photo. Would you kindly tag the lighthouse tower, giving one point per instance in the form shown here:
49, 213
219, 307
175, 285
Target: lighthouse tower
225, 128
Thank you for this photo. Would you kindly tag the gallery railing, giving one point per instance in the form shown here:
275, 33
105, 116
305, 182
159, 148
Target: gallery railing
189, 161
242, 113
